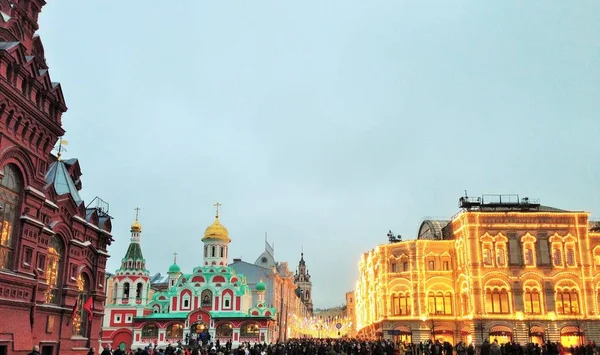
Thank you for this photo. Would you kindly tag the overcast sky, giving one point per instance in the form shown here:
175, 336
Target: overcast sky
323, 123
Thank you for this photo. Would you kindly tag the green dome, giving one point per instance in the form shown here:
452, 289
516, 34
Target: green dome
174, 268
260, 286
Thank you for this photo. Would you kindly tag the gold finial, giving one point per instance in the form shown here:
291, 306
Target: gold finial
174, 258
137, 213
61, 144
217, 205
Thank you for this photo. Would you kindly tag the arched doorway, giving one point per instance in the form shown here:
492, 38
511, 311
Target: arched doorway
402, 334
122, 340
571, 336
443, 335
501, 333
199, 333
536, 335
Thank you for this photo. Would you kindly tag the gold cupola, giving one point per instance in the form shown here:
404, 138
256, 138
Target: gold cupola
216, 231
136, 227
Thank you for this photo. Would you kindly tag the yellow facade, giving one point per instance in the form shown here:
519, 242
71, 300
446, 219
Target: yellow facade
520, 272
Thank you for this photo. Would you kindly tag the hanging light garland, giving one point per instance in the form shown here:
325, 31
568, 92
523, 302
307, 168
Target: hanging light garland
319, 327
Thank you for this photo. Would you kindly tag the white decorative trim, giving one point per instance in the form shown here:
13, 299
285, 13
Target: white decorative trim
35, 191
34, 221
51, 204
49, 231
83, 244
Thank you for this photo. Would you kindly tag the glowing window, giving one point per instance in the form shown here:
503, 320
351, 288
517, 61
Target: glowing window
175, 331
393, 266
439, 303
224, 330
567, 301
150, 331
11, 188
487, 254
251, 329
53, 268
496, 301
531, 300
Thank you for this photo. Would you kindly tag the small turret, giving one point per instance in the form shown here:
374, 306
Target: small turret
174, 271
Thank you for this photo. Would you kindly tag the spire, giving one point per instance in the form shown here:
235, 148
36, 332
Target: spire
217, 205
134, 251
136, 227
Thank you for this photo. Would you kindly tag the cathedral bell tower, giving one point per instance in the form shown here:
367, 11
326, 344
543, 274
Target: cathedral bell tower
303, 283
132, 281
216, 242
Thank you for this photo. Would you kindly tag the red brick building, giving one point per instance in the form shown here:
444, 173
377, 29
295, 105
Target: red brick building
52, 246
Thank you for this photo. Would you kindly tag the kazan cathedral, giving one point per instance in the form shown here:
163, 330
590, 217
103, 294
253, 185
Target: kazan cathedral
211, 303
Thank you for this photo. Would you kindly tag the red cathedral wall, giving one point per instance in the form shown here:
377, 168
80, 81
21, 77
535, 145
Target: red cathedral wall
31, 107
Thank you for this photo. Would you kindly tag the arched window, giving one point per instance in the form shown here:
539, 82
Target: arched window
222, 250
528, 254
11, 189
206, 299
224, 330
567, 301
557, 254
570, 255
487, 257
115, 292
175, 331
249, 330
439, 303
54, 269
404, 304
597, 257
126, 291
532, 301
206, 251
80, 320
138, 291
213, 251
500, 254
150, 331
185, 301
393, 267
496, 301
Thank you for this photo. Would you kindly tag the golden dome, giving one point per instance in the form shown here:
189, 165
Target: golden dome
136, 226
216, 231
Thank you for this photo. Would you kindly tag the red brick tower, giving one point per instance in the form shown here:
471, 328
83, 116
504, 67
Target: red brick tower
52, 246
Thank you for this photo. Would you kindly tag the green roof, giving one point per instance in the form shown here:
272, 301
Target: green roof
174, 268
134, 252
175, 315
228, 314
260, 286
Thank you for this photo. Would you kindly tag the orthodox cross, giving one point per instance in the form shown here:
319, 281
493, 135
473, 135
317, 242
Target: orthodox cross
174, 258
137, 213
217, 205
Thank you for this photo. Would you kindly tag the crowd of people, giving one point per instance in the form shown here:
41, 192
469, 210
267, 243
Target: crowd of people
346, 346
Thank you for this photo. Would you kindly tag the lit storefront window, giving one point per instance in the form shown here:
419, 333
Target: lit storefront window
11, 189
53, 269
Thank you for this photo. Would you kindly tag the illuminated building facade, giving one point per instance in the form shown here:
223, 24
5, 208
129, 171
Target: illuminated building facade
503, 268
282, 291
351, 313
52, 244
